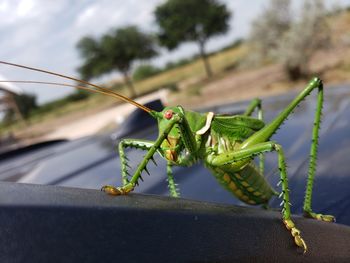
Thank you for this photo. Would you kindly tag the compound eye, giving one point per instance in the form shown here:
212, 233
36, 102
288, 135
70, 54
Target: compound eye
168, 114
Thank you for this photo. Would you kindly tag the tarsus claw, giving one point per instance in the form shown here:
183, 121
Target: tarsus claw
112, 190
295, 233
300, 243
328, 218
321, 217
109, 189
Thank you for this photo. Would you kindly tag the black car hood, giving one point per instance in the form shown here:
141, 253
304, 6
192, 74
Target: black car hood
93, 161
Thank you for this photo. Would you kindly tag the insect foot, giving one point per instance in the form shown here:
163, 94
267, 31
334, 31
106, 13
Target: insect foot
321, 217
111, 190
295, 233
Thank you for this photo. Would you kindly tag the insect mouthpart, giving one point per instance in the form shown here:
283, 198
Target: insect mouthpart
168, 114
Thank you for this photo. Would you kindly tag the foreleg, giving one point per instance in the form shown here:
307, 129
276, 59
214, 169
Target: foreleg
130, 143
130, 184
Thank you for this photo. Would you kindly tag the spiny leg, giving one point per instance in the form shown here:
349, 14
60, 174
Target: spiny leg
286, 204
313, 162
173, 190
246, 155
265, 134
123, 144
130, 185
269, 129
256, 104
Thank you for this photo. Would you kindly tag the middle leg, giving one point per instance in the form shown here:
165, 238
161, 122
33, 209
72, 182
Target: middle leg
173, 190
256, 104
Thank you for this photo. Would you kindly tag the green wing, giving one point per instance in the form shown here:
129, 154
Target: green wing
195, 120
236, 127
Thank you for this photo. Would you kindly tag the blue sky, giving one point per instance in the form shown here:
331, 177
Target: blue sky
44, 33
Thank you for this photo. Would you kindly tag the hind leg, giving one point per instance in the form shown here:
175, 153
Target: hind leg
312, 164
240, 156
265, 134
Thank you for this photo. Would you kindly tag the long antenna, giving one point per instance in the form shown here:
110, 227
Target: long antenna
58, 84
103, 90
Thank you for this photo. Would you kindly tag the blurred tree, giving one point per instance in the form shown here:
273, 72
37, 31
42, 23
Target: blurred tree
24, 104
305, 37
191, 20
115, 51
145, 71
95, 63
78, 95
268, 29
276, 36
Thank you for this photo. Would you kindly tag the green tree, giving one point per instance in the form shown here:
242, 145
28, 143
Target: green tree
291, 40
24, 105
116, 50
94, 61
269, 28
191, 20
306, 36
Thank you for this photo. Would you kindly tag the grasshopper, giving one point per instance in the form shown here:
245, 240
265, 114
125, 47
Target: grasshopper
227, 145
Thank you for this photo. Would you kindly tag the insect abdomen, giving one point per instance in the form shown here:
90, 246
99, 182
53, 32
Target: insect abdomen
248, 185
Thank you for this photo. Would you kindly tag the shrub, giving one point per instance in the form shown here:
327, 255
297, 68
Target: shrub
145, 71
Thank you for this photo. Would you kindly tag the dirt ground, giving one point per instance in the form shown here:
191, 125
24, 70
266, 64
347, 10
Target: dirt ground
235, 87
98, 121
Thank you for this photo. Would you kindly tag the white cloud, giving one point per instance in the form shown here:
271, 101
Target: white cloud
87, 15
4, 6
25, 8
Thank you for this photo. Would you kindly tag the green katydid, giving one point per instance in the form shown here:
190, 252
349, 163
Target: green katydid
226, 144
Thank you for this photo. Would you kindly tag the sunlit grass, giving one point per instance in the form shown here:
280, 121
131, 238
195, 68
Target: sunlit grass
195, 70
